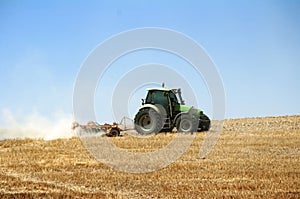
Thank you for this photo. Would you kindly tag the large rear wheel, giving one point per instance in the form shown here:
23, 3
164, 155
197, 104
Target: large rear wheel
148, 121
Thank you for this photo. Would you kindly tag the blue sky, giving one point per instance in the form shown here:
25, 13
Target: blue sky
254, 44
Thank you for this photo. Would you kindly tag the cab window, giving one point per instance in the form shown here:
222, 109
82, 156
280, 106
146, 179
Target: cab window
157, 97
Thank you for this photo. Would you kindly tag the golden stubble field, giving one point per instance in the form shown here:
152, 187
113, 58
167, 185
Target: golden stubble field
254, 158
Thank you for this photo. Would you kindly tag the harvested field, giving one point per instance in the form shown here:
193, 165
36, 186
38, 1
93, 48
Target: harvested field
254, 158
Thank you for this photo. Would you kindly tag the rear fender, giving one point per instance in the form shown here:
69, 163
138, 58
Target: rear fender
157, 107
189, 112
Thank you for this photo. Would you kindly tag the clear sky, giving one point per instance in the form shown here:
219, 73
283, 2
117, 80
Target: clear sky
255, 45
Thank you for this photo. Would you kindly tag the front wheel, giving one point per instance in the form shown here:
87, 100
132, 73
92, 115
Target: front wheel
186, 123
204, 123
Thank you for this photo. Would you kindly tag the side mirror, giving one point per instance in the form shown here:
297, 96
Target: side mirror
143, 101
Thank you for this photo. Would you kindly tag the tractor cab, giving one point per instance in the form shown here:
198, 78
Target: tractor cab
165, 97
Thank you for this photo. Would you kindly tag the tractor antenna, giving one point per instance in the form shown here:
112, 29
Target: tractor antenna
163, 84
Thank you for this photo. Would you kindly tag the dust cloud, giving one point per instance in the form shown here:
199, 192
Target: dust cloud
35, 126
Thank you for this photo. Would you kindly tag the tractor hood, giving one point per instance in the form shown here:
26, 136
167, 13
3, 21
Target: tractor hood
184, 108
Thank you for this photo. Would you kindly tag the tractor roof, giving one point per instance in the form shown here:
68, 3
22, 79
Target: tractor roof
160, 89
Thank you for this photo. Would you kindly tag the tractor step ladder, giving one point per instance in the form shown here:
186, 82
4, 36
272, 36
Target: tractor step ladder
167, 123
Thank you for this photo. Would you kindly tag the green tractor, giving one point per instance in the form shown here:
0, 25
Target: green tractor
161, 112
